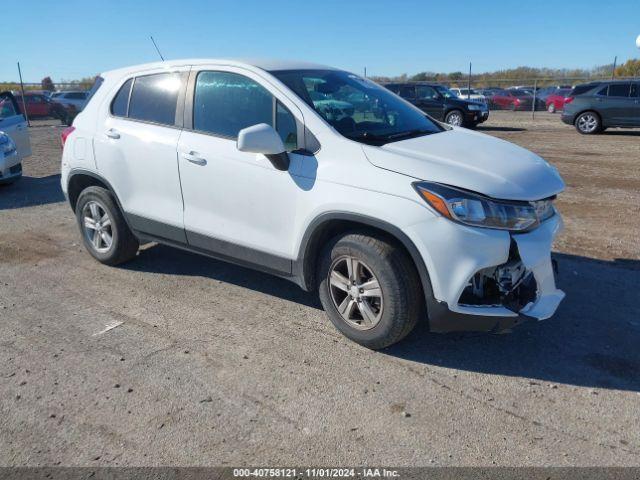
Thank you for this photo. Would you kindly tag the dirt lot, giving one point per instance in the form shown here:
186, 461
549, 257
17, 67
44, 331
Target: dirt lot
217, 365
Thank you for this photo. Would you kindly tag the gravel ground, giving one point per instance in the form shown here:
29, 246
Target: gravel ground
213, 364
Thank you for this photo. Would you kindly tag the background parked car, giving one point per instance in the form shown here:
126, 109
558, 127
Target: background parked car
441, 103
514, 99
555, 101
469, 94
18, 146
544, 92
594, 107
76, 98
39, 106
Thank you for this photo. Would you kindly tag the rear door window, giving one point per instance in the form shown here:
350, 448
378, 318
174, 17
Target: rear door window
408, 91
154, 98
619, 89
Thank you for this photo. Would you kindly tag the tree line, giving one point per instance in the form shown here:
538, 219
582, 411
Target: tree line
521, 75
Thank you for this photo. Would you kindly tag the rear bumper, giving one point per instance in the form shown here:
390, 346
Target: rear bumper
567, 118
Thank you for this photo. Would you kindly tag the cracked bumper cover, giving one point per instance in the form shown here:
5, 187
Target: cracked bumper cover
454, 253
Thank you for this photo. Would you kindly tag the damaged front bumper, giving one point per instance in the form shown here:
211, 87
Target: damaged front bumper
488, 280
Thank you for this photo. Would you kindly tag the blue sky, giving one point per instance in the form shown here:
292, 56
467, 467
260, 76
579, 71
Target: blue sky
74, 38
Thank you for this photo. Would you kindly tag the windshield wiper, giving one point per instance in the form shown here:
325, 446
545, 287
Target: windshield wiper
409, 133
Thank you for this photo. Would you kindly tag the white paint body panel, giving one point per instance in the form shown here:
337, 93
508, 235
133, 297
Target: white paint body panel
240, 198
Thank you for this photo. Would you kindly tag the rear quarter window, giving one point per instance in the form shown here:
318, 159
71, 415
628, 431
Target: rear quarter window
580, 89
120, 102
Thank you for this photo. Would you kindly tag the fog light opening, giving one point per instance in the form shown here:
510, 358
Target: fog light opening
509, 285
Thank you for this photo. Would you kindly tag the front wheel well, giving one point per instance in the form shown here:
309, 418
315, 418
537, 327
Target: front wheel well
327, 230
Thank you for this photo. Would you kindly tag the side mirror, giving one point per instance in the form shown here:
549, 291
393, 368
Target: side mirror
262, 138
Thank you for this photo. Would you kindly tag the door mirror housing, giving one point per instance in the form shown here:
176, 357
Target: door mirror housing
263, 138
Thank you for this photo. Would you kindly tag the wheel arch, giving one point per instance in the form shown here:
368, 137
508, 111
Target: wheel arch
79, 179
585, 110
328, 225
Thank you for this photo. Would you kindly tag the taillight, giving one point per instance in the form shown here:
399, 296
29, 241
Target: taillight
65, 134
568, 100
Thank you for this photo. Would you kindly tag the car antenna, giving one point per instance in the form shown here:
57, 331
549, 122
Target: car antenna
157, 49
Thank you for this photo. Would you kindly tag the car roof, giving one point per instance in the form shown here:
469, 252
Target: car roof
263, 64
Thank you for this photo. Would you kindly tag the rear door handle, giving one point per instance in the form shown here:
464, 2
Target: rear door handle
193, 157
112, 133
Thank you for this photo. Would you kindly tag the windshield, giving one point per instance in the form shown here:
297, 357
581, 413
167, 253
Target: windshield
519, 93
356, 107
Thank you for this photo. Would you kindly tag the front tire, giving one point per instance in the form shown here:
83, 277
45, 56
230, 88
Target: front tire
369, 289
588, 123
105, 233
455, 118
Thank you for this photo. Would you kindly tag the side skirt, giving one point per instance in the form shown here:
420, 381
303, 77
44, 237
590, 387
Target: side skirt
152, 231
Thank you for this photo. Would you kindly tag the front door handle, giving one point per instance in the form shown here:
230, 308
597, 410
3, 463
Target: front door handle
112, 133
193, 157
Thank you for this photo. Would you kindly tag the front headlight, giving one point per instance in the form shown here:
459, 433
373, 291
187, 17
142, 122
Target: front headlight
6, 144
474, 107
479, 211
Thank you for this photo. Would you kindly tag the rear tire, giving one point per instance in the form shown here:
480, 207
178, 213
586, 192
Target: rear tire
105, 233
588, 123
390, 302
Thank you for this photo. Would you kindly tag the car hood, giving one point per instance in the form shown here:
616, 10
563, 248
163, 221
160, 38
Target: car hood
473, 161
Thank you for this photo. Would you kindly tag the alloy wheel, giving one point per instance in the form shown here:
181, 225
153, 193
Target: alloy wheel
587, 123
97, 226
355, 292
454, 119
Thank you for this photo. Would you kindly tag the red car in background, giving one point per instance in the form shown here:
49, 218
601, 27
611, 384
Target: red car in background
40, 106
513, 99
555, 102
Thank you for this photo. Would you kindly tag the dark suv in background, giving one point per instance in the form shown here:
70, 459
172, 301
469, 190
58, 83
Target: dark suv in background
593, 107
441, 103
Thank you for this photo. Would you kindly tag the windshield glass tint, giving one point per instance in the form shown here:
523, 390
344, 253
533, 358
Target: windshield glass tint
356, 107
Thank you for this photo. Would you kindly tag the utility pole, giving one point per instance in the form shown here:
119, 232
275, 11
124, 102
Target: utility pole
24, 104
535, 92
613, 72
469, 83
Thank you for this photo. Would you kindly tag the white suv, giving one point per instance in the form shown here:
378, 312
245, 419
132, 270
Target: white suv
322, 177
